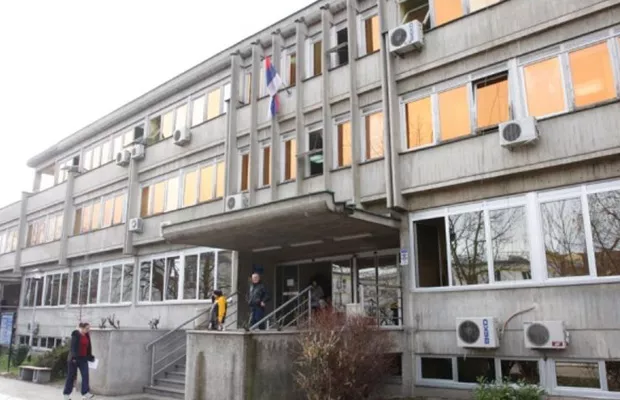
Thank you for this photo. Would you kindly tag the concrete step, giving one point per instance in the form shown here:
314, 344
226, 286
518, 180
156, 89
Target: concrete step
166, 392
171, 383
176, 375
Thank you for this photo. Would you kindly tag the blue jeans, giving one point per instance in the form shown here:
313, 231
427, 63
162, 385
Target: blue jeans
257, 313
80, 363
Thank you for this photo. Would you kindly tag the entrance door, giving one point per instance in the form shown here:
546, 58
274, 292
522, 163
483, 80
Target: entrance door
287, 287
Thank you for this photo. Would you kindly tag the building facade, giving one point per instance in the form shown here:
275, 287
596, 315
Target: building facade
382, 177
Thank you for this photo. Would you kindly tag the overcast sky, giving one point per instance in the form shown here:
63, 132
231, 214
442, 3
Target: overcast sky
66, 63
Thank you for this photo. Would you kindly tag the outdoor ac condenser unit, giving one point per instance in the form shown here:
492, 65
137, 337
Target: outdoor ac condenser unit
236, 202
518, 132
138, 152
545, 335
182, 137
122, 158
136, 225
407, 37
479, 332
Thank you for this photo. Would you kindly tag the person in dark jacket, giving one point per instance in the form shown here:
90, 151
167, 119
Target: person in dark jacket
80, 354
257, 300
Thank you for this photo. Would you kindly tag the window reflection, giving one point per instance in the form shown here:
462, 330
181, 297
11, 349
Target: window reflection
565, 242
605, 221
379, 288
511, 255
342, 285
575, 374
468, 249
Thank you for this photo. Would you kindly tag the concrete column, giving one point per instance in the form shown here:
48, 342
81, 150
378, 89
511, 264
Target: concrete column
36, 185
299, 110
231, 156
407, 311
391, 115
133, 204
21, 231
276, 48
328, 148
356, 135
68, 213
257, 53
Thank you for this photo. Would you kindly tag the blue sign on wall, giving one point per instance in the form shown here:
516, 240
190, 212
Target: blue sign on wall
6, 328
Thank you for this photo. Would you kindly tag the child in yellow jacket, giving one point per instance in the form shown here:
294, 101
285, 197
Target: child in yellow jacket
218, 311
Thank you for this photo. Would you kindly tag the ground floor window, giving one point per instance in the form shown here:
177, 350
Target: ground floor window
379, 287
188, 275
582, 375
103, 283
49, 289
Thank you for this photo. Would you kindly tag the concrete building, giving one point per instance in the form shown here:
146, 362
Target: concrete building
389, 175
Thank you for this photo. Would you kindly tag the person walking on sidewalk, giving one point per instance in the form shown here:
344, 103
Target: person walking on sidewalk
257, 300
80, 354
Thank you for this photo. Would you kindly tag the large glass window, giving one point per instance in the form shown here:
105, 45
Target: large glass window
315, 152
419, 123
342, 285
198, 111
520, 371
190, 195
510, 245
206, 183
345, 147
101, 284
102, 213
468, 249
372, 34
213, 104
436, 368
224, 271
491, 97
472, 369
454, 114
544, 87
379, 288
173, 271
290, 159
373, 126
592, 75
605, 222
577, 374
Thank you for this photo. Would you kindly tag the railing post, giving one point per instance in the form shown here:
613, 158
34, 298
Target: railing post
153, 365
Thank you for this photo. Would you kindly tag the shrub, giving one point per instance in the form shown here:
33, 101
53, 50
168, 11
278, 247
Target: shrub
505, 390
19, 354
341, 359
55, 359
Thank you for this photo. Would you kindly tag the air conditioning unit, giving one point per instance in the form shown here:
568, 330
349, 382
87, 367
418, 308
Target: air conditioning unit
137, 152
479, 332
518, 132
182, 137
407, 37
136, 225
545, 335
236, 202
123, 157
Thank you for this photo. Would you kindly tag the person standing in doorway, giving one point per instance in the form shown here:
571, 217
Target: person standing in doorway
257, 300
316, 296
80, 354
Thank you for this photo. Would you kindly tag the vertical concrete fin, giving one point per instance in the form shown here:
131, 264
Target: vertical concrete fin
257, 53
354, 102
68, 212
276, 59
328, 148
231, 154
21, 231
299, 113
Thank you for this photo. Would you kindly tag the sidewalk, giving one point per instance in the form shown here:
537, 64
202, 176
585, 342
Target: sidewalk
12, 389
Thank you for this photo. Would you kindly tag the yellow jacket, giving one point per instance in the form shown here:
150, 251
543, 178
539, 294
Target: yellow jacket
221, 308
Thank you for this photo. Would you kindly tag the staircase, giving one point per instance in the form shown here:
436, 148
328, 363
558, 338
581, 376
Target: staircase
168, 353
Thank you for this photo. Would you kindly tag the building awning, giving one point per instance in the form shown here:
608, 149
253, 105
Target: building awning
306, 227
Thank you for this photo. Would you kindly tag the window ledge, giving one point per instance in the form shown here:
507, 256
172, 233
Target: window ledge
554, 282
578, 109
368, 55
100, 229
305, 80
372, 160
286, 182
107, 305
343, 168
172, 302
264, 187
331, 69
40, 244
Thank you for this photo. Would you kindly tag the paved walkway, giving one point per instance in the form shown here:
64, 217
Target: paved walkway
12, 389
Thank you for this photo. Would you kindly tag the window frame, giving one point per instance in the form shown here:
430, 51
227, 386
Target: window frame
45, 220
561, 52
602, 392
183, 254
261, 163
465, 6
309, 48
284, 138
287, 54
361, 31
365, 112
309, 129
332, 52
101, 200
27, 281
100, 267
337, 121
532, 202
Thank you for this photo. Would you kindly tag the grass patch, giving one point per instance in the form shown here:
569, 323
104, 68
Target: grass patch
13, 371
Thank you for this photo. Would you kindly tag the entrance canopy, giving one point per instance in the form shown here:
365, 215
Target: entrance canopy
304, 227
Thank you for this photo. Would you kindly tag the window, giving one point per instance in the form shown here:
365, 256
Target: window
373, 133
520, 371
475, 5
414, 10
245, 87
160, 197
436, 368
467, 371
372, 35
339, 53
227, 89
96, 157
50, 290
220, 179
187, 275
167, 124
605, 225
544, 87
419, 123
244, 182
592, 75
109, 283
172, 194
198, 111
214, 104
266, 165
378, 278
190, 186
510, 245
100, 213
454, 116
290, 159
8, 240
491, 98
292, 69
180, 120
314, 163
63, 166
344, 147
106, 152
87, 160
206, 183
315, 58
447, 10
210, 183
472, 369
577, 374
468, 249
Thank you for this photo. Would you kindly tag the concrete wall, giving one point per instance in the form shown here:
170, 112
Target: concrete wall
124, 363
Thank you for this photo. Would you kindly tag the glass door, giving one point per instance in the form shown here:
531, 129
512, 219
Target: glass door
287, 287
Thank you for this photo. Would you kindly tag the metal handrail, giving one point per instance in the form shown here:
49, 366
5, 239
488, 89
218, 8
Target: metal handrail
178, 328
274, 312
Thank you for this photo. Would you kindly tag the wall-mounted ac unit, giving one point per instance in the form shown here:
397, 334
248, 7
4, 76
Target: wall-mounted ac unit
136, 225
545, 335
479, 332
182, 137
137, 152
236, 202
122, 158
518, 132
407, 37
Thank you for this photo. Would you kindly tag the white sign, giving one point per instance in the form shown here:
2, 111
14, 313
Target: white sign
290, 282
6, 329
404, 257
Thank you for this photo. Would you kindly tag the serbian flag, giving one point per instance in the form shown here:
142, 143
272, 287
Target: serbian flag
274, 82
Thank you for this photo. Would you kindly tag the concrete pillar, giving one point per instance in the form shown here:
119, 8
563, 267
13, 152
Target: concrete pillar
276, 49
328, 148
21, 232
299, 113
231, 156
36, 185
133, 204
257, 53
407, 311
67, 219
354, 111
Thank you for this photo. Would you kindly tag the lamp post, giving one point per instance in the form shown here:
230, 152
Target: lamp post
36, 278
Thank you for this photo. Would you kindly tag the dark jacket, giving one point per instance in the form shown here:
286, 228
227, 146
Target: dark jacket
75, 347
258, 294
